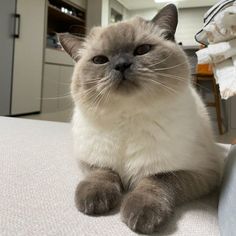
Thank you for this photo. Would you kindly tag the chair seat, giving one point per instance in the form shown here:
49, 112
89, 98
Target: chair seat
202, 76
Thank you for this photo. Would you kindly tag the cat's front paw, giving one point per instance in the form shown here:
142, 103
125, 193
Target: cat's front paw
143, 212
97, 197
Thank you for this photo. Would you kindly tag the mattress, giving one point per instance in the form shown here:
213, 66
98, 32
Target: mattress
38, 177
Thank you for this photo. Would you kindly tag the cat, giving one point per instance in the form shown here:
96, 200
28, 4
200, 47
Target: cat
139, 126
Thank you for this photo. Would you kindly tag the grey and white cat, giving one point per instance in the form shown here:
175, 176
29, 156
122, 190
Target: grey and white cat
138, 124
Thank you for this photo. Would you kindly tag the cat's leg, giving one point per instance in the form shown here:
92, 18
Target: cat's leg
99, 192
154, 198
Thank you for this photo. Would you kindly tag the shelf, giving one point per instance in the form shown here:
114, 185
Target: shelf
66, 3
63, 17
59, 22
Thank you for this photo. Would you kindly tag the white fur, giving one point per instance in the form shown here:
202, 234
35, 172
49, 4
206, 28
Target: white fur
137, 140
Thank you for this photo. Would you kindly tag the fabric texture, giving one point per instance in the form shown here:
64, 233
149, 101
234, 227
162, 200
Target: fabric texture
219, 23
225, 75
216, 53
227, 203
223, 56
219, 33
38, 177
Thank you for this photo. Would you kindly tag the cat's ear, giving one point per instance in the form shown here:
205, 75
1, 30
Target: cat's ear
167, 20
71, 44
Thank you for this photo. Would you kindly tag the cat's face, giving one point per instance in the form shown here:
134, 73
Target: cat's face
127, 59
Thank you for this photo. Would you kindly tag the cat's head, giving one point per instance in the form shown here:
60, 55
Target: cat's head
134, 58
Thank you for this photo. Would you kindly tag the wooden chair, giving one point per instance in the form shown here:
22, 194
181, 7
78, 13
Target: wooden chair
204, 73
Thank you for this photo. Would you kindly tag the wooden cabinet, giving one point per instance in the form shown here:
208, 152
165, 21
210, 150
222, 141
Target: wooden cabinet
56, 88
21, 55
65, 100
27, 28
28, 57
64, 16
58, 71
50, 88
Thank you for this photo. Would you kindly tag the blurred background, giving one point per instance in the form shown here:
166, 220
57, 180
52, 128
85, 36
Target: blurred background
35, 72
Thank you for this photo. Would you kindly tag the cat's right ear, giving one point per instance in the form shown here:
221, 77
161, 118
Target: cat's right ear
167, 20
71, 44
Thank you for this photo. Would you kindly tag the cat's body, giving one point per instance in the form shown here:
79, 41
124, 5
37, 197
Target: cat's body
138, 123
139, 140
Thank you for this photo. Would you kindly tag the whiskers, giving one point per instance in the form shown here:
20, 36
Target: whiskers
171, 67
67, 95
91, 98
162, 61
148, 72
160, 85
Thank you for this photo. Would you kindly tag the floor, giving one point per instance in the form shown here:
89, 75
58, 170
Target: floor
65, 116
60, 116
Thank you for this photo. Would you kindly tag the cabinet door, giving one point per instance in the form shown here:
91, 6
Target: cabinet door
50, 88
7, 9
28, 57
65, 100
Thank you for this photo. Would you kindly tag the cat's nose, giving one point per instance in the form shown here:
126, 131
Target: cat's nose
122, 66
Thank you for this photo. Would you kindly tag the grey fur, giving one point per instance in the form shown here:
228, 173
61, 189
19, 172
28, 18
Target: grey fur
99, 192
154, 198
151, 200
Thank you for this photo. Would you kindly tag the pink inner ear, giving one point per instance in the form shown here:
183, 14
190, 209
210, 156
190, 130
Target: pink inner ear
71, 44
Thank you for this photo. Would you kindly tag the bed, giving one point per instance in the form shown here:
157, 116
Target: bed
38, 177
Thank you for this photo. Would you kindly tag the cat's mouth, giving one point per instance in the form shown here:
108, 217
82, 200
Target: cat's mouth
125, 84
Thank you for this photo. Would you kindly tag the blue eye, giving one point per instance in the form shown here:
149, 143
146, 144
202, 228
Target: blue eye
142, 49
100, 59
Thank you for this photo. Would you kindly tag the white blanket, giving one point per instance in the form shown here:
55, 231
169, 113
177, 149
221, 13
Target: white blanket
219, 23
38, 177
225, 74
220, 33
216, 53
223, 27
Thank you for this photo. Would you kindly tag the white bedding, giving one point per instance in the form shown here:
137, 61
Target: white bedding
219, 31
38, 176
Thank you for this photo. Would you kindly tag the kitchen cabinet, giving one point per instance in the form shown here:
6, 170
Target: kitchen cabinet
58, 71
50, 88
21, 73
28, 57
65, 100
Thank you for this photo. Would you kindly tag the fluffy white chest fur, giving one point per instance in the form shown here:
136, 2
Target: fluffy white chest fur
138, 141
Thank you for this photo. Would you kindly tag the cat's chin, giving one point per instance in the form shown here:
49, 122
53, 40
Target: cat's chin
126, 87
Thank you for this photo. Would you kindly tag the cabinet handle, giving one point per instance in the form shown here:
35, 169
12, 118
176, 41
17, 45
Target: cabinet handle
17, 26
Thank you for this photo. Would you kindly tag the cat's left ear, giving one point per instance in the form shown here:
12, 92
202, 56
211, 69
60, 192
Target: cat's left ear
167, 20
71, 44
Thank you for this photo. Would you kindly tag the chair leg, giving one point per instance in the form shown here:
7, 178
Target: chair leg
218, 107
194, 81
196, 84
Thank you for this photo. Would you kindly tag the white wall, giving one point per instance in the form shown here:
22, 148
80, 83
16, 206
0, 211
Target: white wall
98, 12
105, 12
190, 22
147, 14
94, 14
119, 8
